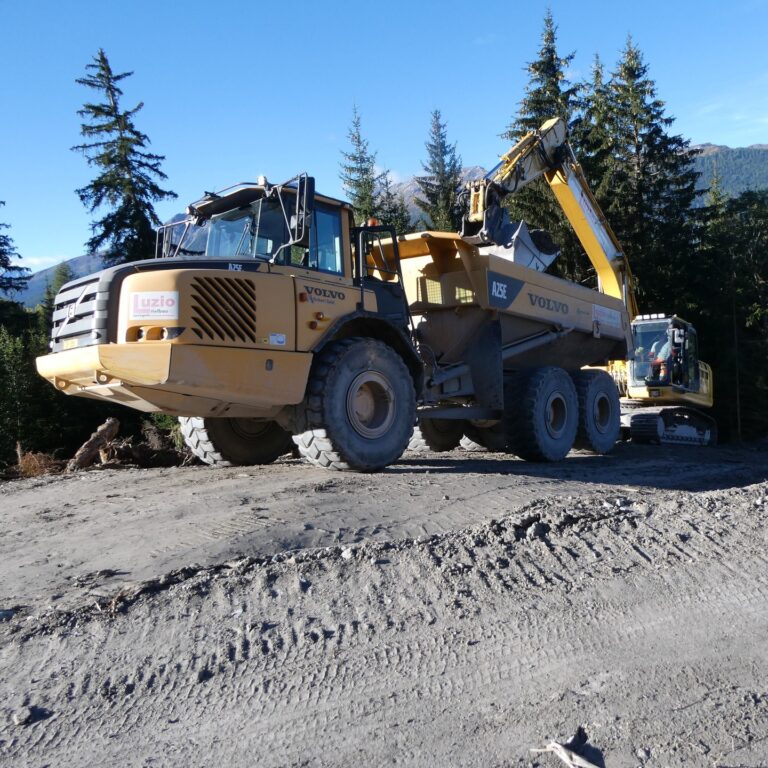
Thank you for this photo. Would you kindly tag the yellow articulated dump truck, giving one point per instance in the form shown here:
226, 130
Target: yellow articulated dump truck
273, 320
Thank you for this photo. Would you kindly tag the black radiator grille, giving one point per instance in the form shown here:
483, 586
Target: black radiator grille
224, 309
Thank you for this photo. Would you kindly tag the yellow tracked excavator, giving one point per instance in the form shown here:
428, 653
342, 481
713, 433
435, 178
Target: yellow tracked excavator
663, 383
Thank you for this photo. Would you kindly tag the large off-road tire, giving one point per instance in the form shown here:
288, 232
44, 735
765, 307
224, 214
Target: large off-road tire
360, 407
436, 435
599, 411
492, 439
223, 442
541, 414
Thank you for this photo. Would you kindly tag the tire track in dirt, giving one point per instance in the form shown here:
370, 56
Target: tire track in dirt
318, 654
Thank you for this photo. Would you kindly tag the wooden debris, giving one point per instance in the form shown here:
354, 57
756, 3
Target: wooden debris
571, 759
92, 447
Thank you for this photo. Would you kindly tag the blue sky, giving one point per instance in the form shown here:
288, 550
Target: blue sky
235, 90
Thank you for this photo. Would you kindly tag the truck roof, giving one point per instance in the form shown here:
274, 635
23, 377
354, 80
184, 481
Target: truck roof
243, 193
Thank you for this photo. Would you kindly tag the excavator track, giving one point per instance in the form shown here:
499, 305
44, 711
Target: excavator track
672, 426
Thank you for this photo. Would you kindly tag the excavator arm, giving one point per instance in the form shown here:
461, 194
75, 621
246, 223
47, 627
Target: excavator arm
546, 152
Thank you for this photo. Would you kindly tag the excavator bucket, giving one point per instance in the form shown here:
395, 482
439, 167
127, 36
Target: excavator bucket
534, 250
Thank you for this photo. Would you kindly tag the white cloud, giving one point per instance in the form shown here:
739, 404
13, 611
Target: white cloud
394, 176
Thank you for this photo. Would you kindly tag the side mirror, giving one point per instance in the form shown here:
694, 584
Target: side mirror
301, 220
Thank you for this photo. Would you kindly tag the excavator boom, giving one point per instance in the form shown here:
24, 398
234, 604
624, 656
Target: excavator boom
546, 152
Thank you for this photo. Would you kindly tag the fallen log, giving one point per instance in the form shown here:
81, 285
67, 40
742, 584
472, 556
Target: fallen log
91, 448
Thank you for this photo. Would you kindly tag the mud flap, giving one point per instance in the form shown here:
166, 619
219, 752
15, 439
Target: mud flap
485, 365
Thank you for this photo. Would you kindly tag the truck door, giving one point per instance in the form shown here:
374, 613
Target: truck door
322, 277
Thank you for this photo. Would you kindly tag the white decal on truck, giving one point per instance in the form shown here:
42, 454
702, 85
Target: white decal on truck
606, 316
154, 305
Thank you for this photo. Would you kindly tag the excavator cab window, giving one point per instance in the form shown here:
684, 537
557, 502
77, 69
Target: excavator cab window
666, 352
652, 345
692, 359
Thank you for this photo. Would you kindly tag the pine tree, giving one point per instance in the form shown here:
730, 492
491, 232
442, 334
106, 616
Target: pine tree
548, 94
13, 278
13, 384
392, 208
747, 217
441, 185
358, 173
590, 135
725, 295
652, 183
127, 180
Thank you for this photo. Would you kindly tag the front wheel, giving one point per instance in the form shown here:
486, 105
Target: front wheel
360, 407
222, 442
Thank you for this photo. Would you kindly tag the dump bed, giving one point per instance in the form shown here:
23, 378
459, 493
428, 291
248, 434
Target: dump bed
456, 288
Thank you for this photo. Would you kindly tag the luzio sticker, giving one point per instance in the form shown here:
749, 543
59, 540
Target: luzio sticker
154, 305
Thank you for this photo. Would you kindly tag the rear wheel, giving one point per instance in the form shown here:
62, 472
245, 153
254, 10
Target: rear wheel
436, 435
541, 414
492, 439
360, 407
599, 411
222, 442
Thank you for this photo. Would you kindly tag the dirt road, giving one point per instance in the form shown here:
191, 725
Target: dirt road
453, 610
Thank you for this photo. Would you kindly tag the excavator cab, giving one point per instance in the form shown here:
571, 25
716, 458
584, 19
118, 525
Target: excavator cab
666, 353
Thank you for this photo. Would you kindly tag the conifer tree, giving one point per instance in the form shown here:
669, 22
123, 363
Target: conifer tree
12, 277
590, 135
127, 184
548, 94
358, 173
393, 209
440, 186
652, 183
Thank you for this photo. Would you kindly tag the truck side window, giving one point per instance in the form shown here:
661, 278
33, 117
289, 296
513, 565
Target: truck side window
324, 252
327, 233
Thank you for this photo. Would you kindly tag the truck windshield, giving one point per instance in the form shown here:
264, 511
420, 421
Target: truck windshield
256, 231
652, 346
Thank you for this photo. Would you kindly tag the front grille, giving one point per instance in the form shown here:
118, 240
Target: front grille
80, 314
224, 309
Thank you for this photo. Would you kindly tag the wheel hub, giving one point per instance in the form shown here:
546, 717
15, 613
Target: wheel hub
557, 415
602, 412
249, 429
370, 404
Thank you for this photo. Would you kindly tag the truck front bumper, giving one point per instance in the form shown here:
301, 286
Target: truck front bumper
184, 379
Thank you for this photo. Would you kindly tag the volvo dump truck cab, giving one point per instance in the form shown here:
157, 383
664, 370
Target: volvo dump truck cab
274, 317
225, 337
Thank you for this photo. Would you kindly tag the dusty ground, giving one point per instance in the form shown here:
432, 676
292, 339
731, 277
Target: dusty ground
453, 610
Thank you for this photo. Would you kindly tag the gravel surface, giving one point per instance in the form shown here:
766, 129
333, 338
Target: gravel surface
455, 609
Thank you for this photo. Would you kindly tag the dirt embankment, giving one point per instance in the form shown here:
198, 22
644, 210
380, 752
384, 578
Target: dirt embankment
450, 611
